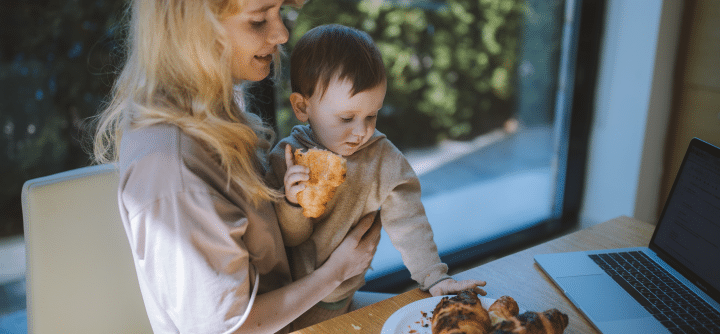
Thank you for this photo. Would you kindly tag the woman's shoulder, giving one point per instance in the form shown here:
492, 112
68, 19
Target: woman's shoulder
161, 159
161, 146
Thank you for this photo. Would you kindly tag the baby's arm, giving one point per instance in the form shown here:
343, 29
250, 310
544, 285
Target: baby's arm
294, 176
407, 225
295, 229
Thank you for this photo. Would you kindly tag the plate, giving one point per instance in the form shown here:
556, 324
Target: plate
416, 317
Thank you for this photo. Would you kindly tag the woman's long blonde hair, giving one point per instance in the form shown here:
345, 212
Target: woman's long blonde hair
178, 71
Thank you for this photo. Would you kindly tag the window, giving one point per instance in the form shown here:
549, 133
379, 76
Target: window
480, 100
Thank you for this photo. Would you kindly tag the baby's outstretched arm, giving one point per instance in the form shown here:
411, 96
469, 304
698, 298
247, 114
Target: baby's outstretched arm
294, 176
451, 286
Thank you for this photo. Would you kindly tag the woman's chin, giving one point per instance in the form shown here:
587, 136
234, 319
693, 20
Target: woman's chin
259, 76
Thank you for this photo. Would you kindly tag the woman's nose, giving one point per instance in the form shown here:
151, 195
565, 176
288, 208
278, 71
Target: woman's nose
279, 34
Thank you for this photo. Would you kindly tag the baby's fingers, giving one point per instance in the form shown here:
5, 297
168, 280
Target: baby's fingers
294, 178
451, 286
289, 159
291, 193
296, 174
472, 285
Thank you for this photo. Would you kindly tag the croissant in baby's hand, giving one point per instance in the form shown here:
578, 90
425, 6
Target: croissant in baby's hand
327, 172
551, 321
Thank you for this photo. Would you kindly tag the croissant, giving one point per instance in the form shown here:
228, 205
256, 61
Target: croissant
551, 321
502, 309
327, 172
462, 313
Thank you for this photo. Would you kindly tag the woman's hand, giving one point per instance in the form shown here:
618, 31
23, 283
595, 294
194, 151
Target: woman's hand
356, 251
294, 175
451, 286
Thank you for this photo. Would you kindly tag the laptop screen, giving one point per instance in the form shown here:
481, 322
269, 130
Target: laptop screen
688, 233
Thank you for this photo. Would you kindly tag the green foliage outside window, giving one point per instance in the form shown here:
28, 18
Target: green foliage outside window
450, 65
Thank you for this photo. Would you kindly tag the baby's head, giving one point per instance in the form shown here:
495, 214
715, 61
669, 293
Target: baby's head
338, 82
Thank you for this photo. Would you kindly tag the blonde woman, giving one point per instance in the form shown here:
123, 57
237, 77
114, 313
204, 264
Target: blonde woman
197, 214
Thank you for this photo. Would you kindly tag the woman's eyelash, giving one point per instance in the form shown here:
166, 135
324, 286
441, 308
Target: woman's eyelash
258, 23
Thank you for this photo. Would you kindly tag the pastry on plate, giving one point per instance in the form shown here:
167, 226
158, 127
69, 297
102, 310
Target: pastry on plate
462, 313
503, 309
551, 321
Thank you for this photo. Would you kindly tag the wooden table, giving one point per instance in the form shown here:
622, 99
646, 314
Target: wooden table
515, 275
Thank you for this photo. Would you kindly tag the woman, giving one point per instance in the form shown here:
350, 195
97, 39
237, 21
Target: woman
197, 214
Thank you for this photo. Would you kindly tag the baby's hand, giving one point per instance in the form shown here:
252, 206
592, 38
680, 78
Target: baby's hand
294, 176
451, 286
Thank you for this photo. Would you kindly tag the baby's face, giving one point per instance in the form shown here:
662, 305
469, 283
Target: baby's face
343, 123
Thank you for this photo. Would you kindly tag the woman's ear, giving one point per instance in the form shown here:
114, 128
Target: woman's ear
299, 106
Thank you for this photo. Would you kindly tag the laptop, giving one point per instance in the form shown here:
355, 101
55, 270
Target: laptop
671, 286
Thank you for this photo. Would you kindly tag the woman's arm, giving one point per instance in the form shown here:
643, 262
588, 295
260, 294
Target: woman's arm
276, 309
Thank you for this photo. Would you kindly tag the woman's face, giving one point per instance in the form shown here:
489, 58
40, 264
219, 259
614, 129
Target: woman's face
255, 33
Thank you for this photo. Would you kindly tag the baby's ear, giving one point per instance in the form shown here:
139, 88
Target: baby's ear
299, 105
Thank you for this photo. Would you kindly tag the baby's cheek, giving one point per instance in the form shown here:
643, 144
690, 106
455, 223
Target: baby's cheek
340, 135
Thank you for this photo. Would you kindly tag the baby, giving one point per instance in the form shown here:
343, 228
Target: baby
338, 86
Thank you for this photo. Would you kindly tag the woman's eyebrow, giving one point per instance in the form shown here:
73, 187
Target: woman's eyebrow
262, 9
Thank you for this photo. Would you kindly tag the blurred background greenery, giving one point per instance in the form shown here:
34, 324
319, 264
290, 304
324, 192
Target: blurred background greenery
55, 71
456, 69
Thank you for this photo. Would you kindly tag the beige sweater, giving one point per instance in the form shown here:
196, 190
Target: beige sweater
378, 176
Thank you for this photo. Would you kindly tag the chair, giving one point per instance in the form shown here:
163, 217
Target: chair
80, 273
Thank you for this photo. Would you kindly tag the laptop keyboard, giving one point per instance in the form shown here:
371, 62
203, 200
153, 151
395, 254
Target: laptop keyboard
677, 307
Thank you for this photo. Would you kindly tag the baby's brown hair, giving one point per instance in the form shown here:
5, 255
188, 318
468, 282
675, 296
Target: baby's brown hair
335, 50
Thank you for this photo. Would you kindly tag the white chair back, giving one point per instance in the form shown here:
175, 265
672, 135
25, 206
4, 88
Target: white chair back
80, 273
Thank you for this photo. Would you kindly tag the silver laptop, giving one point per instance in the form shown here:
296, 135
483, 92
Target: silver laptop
672, 286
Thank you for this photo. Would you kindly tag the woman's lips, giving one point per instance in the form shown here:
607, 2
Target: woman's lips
266, 58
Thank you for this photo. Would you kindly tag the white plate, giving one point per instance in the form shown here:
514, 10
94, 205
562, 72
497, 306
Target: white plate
416, 317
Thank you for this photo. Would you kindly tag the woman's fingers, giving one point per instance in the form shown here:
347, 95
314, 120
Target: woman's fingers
363, 226
354, 254
372, 235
